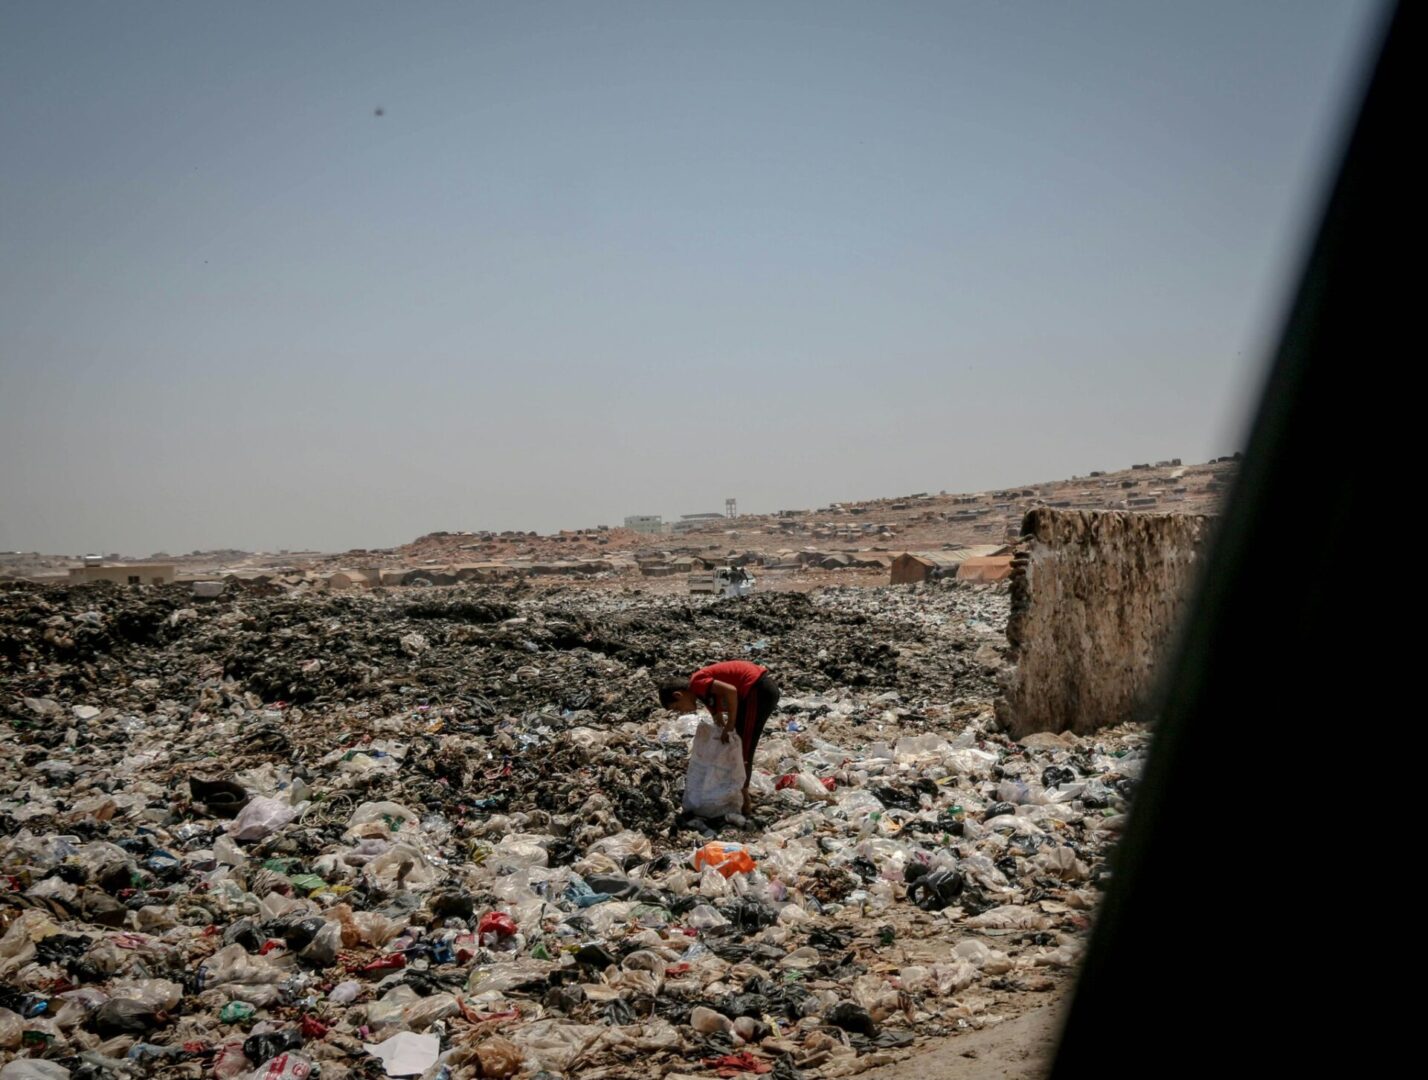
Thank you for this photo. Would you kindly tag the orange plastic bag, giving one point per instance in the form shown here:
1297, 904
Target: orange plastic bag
728, 859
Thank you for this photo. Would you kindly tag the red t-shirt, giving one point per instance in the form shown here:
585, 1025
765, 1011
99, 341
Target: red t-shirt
740, 674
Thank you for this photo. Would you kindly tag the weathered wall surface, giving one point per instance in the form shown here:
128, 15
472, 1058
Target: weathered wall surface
1095, 600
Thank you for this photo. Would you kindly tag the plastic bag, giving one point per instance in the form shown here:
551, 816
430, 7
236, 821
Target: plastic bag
34, 1069
262, 995
1010, 917
158, 994
228, 853
499, 1058
122, 1016
406, 1053
980, 955
402, 866
728, 859
497, 924
231, 1062
911, 747
70, 1015
707, 1021
704, 917
380, 819
519, 851
344, 993
424, 1012
12, 1029
681, 727
623, 845
261, 817
232, 964
552, 1044
364, 927
322, 950
1062, 862
390, 1011
264, 1046
18, 944
713, 885
286, 1066
715, 782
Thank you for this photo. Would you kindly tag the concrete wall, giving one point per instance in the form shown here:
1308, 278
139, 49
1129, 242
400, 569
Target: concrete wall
1095, 598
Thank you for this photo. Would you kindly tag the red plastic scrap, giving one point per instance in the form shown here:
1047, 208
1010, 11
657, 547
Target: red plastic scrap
284, 1066
465, 947
313, 1028
829, 782
736, 1064
391, 962
496, 922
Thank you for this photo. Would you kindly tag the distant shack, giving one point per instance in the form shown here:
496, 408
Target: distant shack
985, 569
911, 567
351, 579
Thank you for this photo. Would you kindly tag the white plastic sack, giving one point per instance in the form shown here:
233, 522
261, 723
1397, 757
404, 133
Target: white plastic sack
34, 1069
406, 1053
384, 818
714, 786
260, 818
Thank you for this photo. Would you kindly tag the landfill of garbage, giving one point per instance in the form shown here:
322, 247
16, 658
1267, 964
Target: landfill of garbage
441, 835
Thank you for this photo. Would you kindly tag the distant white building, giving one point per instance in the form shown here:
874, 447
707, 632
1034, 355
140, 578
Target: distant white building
121, 573
691, 522
645, 523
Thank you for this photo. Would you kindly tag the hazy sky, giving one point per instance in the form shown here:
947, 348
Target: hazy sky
597, 259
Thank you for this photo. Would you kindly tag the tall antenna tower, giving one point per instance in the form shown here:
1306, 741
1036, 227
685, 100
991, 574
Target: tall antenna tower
731, 507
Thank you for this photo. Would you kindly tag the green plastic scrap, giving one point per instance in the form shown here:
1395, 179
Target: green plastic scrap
235, 1011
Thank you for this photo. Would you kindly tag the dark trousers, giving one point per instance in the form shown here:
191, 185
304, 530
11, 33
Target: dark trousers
754, 713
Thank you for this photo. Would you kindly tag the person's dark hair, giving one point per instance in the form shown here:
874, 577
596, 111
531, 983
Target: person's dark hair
668, 688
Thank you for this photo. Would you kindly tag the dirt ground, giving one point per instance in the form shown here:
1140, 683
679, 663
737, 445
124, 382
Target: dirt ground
1020, 1048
